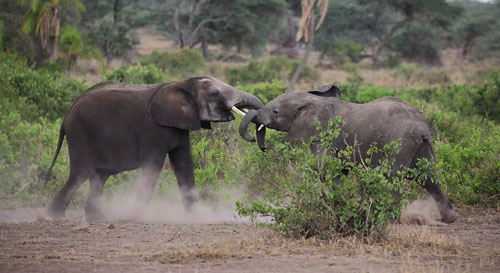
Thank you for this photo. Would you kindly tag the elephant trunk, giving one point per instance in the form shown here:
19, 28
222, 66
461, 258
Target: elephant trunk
252, 116
244, 100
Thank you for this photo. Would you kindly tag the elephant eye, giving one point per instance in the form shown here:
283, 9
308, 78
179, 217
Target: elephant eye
275, 111
214, 92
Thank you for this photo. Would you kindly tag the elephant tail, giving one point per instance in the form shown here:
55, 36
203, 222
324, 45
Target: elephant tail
46, 175
430, 144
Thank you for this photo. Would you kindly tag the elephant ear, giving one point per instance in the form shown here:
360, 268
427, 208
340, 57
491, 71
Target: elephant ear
304, 126
173, 106
326, 91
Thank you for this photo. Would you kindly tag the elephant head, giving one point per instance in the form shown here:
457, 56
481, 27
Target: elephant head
193, 103
288, 113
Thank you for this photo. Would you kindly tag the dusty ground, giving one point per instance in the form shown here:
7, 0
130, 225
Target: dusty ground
470, 245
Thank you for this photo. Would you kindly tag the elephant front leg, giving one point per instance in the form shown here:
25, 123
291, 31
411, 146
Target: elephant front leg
182, 163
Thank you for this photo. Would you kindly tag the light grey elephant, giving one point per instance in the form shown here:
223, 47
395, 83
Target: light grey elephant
114, 127
380, 121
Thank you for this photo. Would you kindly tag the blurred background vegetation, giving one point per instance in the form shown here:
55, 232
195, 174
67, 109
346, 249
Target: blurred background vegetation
441, 56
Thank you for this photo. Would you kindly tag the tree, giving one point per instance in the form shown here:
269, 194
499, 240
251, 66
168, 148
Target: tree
73, 47
387, 17
111, 25
476, 27
43, 17
232, 23
306, 30
380, 25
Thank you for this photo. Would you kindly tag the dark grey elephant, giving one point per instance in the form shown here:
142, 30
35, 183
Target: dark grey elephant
380, 121
115, 127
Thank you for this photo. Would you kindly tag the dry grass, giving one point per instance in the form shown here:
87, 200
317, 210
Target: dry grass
409, 245
466, 246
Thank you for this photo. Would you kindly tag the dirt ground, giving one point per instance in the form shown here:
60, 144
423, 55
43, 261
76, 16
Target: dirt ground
472, 244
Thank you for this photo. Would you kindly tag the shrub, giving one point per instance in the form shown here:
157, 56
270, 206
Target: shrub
136, 74
184, 63
305, 201
344, 51
26, 149
468, 155
428, 76
161, 60
392, 61
35, 94
253, 72
276, 68
488, 99
266, 91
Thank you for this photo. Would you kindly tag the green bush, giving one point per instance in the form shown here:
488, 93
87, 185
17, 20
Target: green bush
468, 155
136, 74
187, 62
488, 99
253, 72
422, 75
344, 52
266, 91
162, 60
276, 68
305, 201
26, 150
35, 94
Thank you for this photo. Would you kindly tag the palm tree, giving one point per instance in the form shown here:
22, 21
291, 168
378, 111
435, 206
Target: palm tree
306, 30
73, 48
43, 17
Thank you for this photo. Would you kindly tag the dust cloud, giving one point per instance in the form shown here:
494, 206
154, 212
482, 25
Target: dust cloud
161, 210
421, 212
170, 211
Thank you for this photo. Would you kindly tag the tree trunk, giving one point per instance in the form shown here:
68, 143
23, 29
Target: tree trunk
376, 57
73, 60
54, 34
178, 30
109, 58
306, 56
204, 46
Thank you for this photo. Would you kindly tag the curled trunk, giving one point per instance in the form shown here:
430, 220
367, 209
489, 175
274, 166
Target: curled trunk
252, 116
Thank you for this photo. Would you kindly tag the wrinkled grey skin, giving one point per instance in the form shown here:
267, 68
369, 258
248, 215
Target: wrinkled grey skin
115, 127
380, 121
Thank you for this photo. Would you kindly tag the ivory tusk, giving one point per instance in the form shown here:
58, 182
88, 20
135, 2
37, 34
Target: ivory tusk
260, 127
238, 111
244, 110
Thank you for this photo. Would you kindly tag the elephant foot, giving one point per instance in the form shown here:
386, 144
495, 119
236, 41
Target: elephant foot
448, 214
56, 211
189, 199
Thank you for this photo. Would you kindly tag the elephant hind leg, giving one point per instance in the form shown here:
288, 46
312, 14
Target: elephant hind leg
93, 206
58, 206
448, 213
